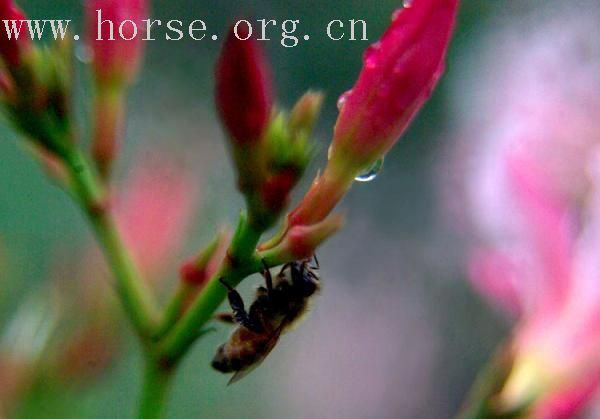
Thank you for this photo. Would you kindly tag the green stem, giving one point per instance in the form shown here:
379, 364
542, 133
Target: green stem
187, 290
241, 261
245, 239
183, 335
173, 310
132, 290
155, 390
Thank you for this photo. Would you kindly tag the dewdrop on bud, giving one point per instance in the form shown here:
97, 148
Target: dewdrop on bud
371, 173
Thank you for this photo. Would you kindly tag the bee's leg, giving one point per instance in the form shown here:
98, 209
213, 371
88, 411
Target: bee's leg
268, 278
240, 315
316, 265
298, 274
303, 274
284, 267
225, 317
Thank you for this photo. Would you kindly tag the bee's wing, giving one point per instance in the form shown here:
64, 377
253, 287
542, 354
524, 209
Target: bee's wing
273, 339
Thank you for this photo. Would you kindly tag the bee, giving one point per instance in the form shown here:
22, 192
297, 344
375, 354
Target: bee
277, 308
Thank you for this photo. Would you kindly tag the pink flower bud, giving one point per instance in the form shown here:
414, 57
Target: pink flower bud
109, 113
300, 242
12, 50
115, 36
398, 76
243, 92
306, 111
324, 194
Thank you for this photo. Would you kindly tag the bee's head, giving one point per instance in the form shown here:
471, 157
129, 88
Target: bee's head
305, 279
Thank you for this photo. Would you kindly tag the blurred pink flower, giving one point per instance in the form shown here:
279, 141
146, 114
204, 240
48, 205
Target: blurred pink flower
70, 326
535, 194
549, 279
154, 211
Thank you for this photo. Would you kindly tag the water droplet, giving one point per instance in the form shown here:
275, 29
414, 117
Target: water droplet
83, 52
371, 55
396, 14
407, 3
343, 99
371, 173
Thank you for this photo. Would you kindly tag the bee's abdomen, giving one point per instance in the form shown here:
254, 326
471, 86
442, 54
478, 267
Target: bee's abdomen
223, 362
238, 353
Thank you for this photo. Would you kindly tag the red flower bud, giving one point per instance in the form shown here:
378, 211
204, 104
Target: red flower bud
191, 274
200, 269
114, 34
276, 189
243, 93
398, 76
12, 49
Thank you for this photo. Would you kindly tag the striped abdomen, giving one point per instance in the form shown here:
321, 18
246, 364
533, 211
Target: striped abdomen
243, 350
